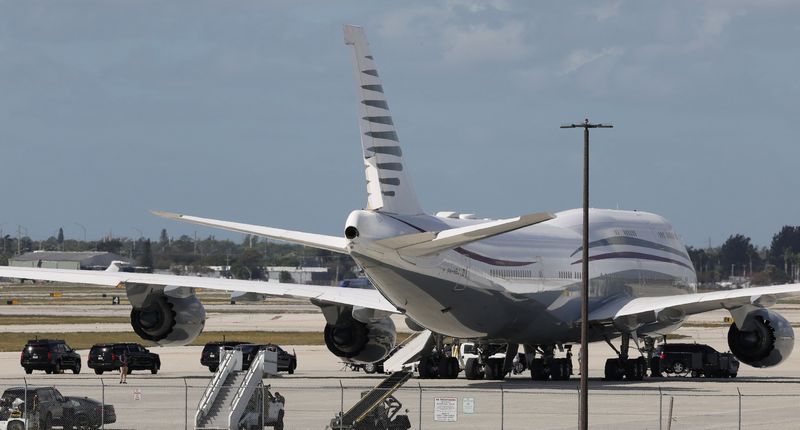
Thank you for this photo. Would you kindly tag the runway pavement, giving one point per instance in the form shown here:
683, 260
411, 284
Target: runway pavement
321, 386
316, 391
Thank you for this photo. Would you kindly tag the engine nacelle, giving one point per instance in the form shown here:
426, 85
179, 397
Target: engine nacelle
765, 339
166, 316
359, 342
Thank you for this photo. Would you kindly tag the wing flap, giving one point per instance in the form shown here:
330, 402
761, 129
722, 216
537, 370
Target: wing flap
331, 243
426, 243
348, 296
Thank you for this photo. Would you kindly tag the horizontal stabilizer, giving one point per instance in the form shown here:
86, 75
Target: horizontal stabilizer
426, 243
331, 243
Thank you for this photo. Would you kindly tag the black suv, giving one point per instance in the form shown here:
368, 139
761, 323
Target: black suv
211, 352
49, 408
286, 362
682, 359
50, 355
106, 357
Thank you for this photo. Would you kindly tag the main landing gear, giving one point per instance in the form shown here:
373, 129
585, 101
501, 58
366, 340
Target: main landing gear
435, 363
623, 367
484, 366
547, 366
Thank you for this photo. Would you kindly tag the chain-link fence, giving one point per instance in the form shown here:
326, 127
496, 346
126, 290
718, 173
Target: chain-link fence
312, 404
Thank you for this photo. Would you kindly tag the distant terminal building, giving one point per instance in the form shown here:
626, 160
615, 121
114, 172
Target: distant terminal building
302, 275
91, 260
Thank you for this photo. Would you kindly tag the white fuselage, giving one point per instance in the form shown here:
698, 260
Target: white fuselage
524, 286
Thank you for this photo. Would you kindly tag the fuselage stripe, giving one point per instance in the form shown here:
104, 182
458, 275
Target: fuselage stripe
634, 255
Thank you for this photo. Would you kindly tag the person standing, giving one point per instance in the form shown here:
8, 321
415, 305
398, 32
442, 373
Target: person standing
123, 368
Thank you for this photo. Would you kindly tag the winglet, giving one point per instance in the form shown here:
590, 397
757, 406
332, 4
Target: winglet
165, 214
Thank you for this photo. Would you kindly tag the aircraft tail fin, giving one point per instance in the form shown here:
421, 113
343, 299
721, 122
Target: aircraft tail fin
388, 186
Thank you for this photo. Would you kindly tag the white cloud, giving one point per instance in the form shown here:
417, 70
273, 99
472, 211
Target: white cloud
479, 42
605, 10
577, 59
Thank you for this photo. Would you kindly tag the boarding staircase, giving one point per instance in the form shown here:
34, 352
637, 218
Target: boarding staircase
378, 401
226, 396
410, 352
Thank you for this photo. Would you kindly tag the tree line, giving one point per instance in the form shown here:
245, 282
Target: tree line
737, 258
247, 259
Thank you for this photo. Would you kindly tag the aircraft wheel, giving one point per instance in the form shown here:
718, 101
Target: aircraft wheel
473, 369
537, 370
613, 370
448, 368
426, 368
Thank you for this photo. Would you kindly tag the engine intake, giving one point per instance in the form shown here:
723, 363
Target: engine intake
360, 342
765, 339
166, 316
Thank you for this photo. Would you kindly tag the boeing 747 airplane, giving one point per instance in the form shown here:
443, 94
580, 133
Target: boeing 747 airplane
501, 283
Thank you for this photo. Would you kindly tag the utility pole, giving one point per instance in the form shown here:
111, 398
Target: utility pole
583, 420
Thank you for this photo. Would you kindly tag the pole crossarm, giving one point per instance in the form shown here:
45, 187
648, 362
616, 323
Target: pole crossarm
583, 419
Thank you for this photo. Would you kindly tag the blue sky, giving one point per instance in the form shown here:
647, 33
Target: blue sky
247, 111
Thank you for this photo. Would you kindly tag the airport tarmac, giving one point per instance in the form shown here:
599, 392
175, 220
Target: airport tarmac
321, 385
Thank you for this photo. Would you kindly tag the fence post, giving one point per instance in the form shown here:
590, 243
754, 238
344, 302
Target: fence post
263, 404
185, 405
27, 409
420, 406
669, 420
103, 404
740, 407
502, 406
341, 406
660, 408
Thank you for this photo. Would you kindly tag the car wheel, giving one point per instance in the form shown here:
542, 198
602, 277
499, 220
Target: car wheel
48, 371
154, 369
370, 368
212, 368
44, 424
679, 368
28, 370
16, 425
82, 421
77, 369
98, 371
292, 366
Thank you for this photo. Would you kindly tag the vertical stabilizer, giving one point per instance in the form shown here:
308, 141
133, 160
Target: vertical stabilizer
388, 186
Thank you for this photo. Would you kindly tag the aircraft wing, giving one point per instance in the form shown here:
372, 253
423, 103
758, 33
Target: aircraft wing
347, 296
689, 304
331, 243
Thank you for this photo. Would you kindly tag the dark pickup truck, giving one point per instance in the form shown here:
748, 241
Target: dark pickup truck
683, 359
49, 408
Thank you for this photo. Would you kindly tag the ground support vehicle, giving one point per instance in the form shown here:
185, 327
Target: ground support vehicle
693, 359
50, 355
273, 406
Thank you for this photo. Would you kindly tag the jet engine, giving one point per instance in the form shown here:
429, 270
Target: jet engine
166, 315
358, 335
765, 339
